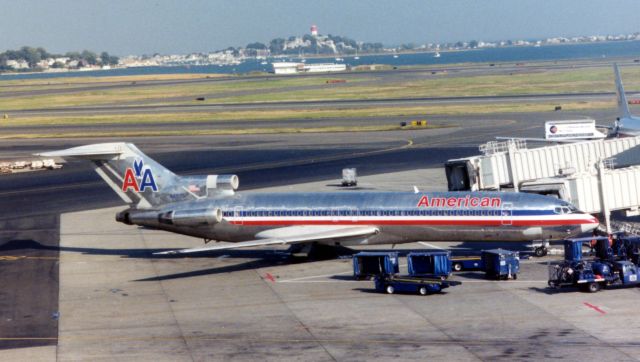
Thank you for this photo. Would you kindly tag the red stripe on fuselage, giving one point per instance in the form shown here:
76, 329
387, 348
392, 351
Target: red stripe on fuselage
405, 222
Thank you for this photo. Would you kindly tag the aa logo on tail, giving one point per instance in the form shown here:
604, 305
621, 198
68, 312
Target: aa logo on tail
139, 178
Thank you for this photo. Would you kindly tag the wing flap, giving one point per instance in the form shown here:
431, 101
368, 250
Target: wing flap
338, 233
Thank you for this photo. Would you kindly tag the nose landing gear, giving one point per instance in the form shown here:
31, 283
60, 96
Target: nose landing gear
541, 249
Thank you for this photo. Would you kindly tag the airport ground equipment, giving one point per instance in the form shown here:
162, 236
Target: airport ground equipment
406, 284
427, 273
369, 264
572, 130
617, 247
614, 265
429, 264
507, 164
349, 177
459, 263
501, 264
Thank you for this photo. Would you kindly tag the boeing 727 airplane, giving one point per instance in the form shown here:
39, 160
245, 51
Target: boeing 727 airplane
208, 207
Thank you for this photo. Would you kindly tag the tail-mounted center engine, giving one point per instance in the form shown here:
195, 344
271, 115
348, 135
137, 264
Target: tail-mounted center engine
212, 185
222, 182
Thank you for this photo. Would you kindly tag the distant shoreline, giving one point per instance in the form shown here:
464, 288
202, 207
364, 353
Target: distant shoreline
622, 49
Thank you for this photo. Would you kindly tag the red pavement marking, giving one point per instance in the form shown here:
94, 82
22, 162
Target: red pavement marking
595, 308
270, 277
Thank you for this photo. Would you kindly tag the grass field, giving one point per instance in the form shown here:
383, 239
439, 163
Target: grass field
548, 82
273, 88
553, 81
307, 114
157, 94
107, 79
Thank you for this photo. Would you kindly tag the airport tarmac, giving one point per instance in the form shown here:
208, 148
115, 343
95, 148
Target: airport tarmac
118, 302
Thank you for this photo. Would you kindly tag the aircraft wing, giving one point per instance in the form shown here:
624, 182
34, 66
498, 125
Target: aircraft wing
335, 233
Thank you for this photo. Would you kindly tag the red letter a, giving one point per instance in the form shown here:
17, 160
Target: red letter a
129, 181
424, 202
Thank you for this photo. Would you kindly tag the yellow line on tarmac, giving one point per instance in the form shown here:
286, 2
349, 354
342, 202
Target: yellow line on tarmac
24, 257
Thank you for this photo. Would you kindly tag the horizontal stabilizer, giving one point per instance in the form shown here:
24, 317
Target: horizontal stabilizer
332, 234
134, 176
95, 151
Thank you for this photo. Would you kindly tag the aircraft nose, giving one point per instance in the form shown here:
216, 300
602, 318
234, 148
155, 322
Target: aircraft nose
591, 223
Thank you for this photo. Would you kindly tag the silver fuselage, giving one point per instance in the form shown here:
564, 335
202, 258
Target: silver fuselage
400, 216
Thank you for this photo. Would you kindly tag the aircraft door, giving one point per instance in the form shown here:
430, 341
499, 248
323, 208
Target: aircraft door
506, 214
353, 214
335, 215
237, 215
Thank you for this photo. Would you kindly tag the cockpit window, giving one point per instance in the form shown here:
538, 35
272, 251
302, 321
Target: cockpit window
564, 209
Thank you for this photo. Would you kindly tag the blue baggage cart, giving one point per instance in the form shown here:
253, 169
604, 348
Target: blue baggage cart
372, 263
407, 284
428, 273
501, 264
429, 263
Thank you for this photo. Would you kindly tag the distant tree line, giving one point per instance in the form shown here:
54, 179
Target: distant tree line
33, 56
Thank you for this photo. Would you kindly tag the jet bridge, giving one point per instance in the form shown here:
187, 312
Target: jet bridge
508, 164
598, 177
599, 191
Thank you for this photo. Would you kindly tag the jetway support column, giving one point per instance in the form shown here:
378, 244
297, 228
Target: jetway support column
514, 174
606, 213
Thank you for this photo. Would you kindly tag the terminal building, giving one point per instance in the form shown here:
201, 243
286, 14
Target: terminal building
294, 68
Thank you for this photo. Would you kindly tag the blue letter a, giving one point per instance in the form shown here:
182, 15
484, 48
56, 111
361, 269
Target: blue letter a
148, 181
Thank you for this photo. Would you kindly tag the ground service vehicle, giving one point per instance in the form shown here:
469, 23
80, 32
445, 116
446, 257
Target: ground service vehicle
608, 269
428, 273
501, 264
349, 177
459, 263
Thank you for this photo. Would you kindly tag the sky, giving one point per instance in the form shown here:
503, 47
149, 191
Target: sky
125, 27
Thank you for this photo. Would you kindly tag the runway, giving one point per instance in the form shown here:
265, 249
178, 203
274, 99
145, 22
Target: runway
603, 117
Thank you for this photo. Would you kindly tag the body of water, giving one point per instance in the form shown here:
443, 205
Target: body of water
497, 55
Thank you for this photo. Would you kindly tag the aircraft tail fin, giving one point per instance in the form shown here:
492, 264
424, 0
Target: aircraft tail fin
623, 106
135, 177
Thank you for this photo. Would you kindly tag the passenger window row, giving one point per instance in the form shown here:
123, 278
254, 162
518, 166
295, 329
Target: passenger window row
336, 213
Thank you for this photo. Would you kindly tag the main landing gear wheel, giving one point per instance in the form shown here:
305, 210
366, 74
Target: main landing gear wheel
422, 291
540, 251
390, 289
593, 287
457, 266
